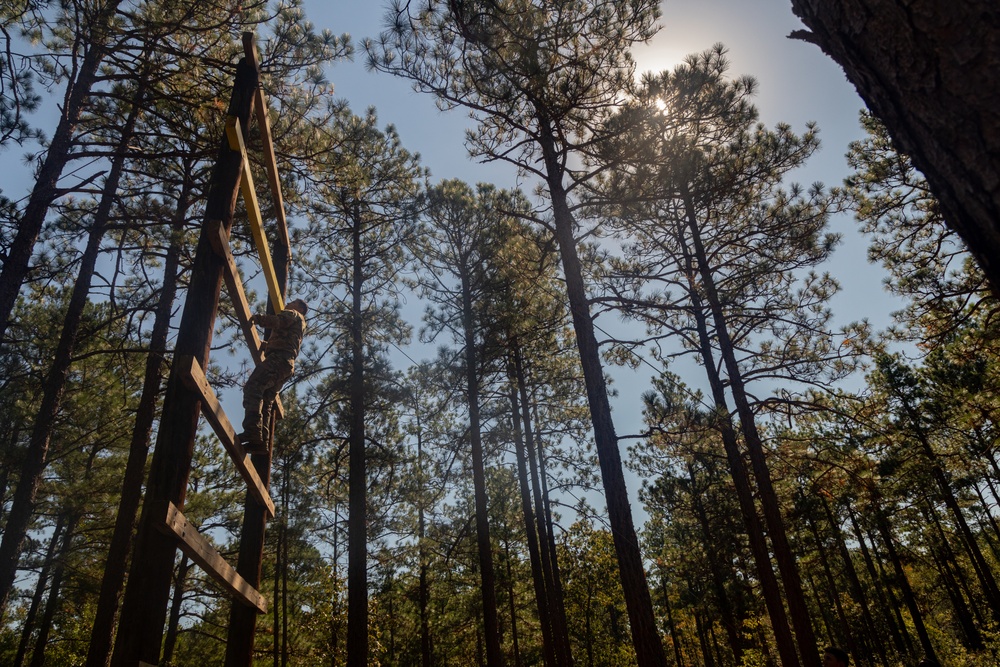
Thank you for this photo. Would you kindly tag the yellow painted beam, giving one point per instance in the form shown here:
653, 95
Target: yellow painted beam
235, 136
271, 166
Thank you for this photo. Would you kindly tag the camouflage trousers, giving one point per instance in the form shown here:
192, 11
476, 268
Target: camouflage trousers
261, 389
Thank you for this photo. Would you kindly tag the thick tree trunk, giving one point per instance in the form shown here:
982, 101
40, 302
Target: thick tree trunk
15, 265
648, 646
487, 574
928, 68
357, 513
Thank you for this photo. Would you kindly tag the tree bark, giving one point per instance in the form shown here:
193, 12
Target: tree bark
357, 513
928, 68
787, 568
648, 645
487, 574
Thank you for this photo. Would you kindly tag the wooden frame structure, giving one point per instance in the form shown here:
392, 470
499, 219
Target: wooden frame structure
162, 526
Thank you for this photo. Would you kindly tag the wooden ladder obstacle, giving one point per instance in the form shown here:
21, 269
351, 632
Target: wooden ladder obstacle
163, 528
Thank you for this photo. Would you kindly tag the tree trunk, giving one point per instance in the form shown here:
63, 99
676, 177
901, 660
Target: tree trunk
797, 607
513, 607
983, 572
944, 559
176, 601
562, 650
357, 513
897, 629
718, 573
28, 627
487, 574
531, 535
648, 646
928, 68
15, 266
41, 642
833, 590
904, 583
741, 477
36, 457
423, 595
675, 638
873, 640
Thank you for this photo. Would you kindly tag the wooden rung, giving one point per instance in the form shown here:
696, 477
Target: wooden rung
235, 135
234, 284
195, 380
201, 551
220, 244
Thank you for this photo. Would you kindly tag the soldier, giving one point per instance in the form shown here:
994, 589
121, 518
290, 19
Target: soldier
261, 388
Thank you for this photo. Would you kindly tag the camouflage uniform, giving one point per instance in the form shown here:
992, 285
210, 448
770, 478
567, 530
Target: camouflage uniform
261, 388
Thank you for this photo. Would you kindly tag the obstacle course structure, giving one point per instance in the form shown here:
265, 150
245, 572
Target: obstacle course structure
162, 526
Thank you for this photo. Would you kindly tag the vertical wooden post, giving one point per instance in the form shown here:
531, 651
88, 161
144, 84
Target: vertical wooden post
144, 607
243, 620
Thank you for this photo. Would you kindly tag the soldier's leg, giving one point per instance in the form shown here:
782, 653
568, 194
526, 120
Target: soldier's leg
253, 402
281, 371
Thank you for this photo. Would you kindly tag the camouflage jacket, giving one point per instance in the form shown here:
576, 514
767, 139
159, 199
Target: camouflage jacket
287, 329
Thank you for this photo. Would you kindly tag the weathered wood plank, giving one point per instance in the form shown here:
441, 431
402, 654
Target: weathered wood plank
234, 284
235, 136
195, 379
201, 551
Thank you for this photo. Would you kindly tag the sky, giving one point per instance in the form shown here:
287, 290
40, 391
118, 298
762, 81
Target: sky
797, 84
